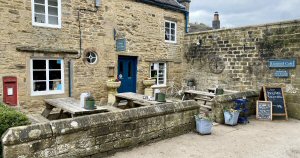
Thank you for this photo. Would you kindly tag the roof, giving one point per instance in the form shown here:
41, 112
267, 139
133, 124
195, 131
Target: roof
198, 27
167, 4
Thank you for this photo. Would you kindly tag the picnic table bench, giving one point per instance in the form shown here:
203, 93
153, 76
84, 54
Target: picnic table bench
69, 105
134, 99
189, 93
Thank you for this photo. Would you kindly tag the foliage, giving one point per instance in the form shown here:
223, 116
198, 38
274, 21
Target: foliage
10, 118
114, 80
205, 116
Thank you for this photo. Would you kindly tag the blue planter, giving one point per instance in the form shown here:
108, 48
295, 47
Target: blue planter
231, 118
203, 126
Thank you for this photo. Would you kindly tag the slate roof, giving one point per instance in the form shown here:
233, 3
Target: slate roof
167, 4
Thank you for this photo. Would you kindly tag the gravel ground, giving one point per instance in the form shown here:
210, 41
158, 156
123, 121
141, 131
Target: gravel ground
259, 139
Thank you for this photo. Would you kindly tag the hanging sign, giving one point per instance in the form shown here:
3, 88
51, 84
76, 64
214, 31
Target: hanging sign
121, 45
282, 63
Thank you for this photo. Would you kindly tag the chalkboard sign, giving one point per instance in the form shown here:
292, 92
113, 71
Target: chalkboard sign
276, 96
264, 110
121, 45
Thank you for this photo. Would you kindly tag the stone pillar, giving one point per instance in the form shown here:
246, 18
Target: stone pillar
112, 91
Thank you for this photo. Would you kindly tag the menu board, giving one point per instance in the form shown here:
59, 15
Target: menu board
275, 95
264, 110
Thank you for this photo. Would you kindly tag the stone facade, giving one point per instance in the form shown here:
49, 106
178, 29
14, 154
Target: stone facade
245, 52
101, 134
141, 24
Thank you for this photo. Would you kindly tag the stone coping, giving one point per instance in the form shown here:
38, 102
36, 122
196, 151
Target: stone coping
234, 96
23, 134
45, 50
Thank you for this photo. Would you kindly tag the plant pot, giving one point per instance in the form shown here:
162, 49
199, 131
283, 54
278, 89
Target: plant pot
203, 126
148, 83
113, 85
90, 105
231, 118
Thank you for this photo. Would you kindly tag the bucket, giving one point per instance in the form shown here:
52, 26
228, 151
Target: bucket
231, 118
90, 105
203, 126
160, 97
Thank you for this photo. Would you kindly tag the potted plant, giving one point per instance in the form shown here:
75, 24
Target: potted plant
231, 116
203, 124
90, 103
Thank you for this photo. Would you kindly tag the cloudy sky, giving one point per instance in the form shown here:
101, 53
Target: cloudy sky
234, 13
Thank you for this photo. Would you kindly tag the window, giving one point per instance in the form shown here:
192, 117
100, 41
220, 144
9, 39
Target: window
47, 77
91, 58
46, 13
158, 72
170, 31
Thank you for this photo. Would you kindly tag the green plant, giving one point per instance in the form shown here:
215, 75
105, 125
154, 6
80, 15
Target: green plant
205, 116
10, 118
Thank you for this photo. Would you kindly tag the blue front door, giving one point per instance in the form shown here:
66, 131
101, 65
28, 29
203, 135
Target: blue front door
127, 72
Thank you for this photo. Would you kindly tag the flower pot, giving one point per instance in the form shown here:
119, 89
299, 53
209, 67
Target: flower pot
90, 105
203, 126
113, 85
148, 83
231, 118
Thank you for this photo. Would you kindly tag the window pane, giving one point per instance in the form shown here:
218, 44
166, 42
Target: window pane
129, 69
167, 24
39, 64
172, 38
53, 2
53, 11
54, 64
173, 25
160, 82
39, 18
172, 32
39, 86
39, 75
39, 1
55, 85
39, 9
53, 20
54, 75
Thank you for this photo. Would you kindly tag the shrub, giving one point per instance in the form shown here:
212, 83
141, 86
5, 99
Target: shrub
10, 118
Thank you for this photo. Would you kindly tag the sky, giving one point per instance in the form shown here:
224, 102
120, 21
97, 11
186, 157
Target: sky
236, 13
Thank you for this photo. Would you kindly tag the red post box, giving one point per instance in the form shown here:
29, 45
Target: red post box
10, 91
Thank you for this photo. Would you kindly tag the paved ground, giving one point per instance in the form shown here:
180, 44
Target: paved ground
277, 139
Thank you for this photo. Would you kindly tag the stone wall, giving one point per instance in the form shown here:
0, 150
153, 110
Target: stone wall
101, 134
141, 24
245, 52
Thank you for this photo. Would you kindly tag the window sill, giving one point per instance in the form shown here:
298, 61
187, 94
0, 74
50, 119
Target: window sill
171, 42
46, 25
33, 94
159, 86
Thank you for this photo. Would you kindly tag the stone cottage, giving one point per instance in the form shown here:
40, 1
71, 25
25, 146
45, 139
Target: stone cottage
62, 48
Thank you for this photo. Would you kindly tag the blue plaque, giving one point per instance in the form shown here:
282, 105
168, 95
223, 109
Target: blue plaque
121, 45
282, 73
282, 63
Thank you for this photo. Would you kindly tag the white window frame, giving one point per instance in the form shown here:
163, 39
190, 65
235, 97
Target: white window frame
46, 24
47, 92
170, 22
165, 75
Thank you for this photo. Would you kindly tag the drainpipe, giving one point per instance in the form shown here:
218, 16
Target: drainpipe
71, 66
187, 15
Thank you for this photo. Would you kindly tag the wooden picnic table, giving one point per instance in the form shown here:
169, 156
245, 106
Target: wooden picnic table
134, 99
69, 105
188, 94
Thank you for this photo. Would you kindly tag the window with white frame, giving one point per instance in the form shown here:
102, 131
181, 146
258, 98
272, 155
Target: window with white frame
170, 31
47, 76
46, 13
159, 73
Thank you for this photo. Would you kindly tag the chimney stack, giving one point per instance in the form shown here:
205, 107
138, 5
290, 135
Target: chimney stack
216, 22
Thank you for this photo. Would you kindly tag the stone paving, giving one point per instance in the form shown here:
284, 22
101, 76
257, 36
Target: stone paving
280, 139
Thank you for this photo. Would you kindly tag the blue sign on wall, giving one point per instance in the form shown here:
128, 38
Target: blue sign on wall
121, 45
282, 73
282, 63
